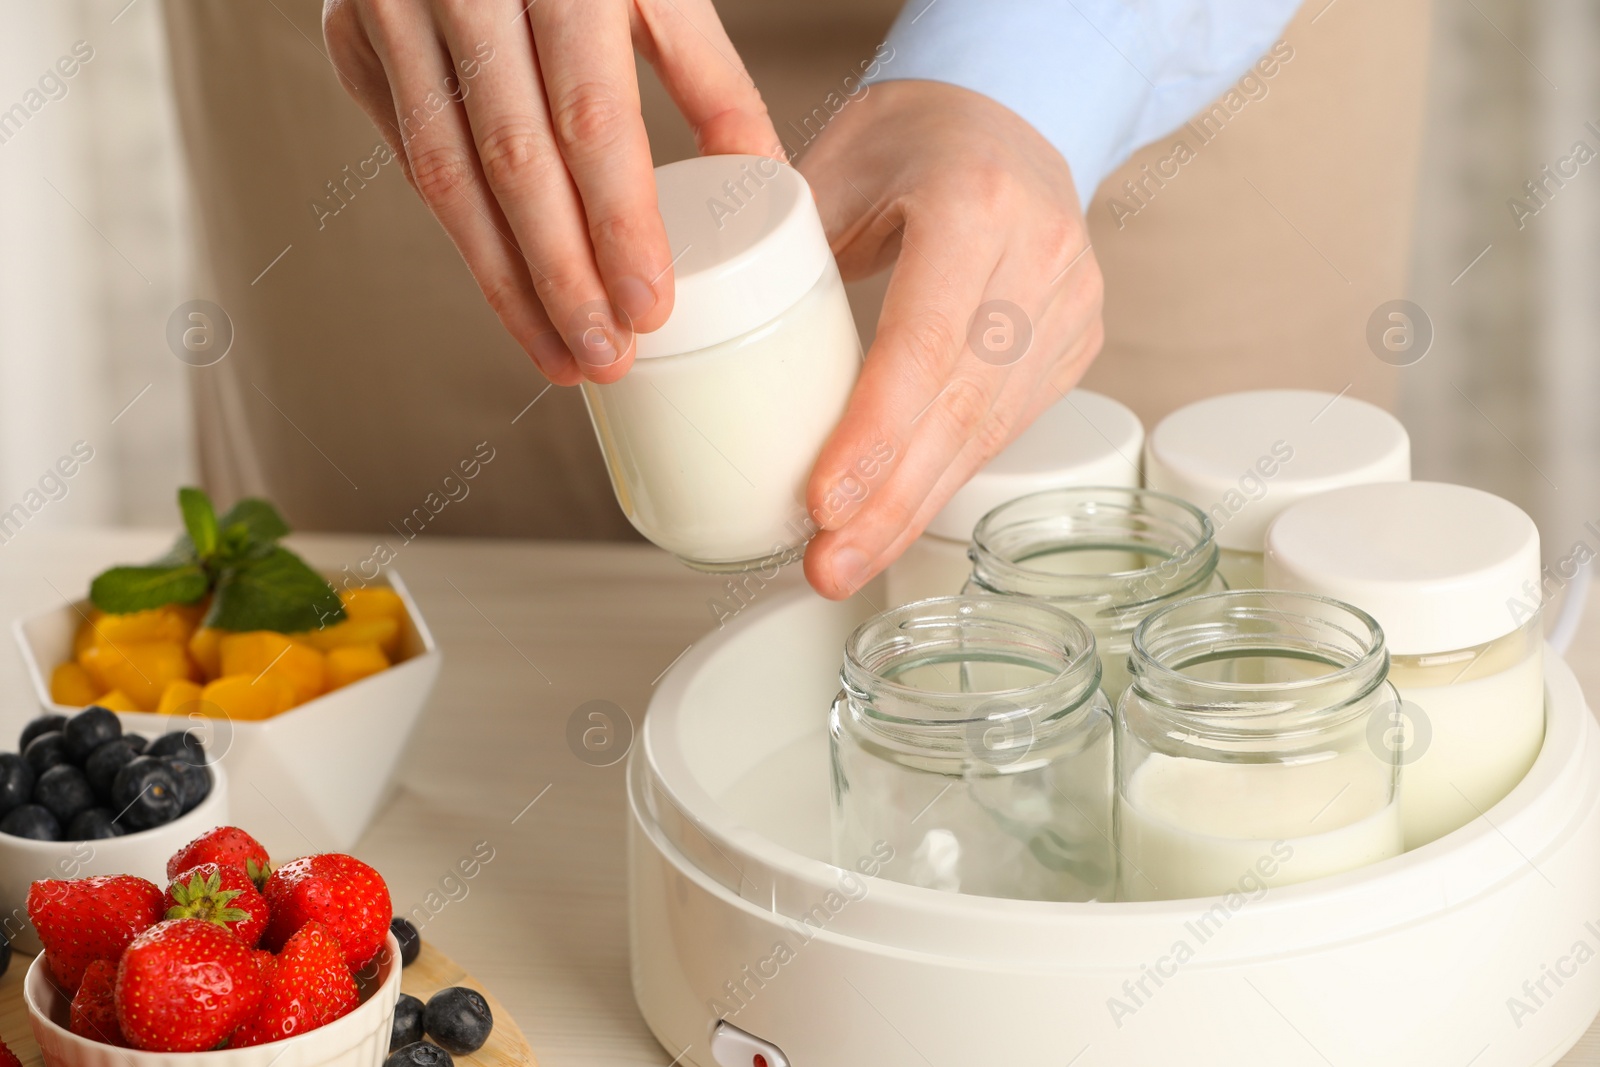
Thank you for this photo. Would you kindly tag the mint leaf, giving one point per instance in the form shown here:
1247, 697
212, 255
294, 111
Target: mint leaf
275, 592
200, 520
124, 589
260, 520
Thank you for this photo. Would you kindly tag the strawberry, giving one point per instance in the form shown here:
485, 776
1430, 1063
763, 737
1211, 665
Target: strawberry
7, 1057
338, 891
94, 1008
90, 919
309, 985
226, 846
223, 895
185, 985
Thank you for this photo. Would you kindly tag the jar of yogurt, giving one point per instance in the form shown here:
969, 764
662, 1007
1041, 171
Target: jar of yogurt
1084, 439
1244, 457
1452, 575
710, 437
1107, 554
1242, 752
972, 738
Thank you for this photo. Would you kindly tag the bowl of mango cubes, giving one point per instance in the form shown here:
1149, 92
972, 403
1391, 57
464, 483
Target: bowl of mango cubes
307, 692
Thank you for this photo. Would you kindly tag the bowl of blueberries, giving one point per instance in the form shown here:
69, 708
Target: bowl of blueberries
80, 797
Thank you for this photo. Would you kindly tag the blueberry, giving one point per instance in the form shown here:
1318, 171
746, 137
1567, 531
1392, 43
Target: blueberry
44, 724
407, 1029
45, 751
186, 745
33, 822
64, 791
145, 794
16, 781
88, 730
95, 824
419, 1054
410, 940
458, 1018
194, 783
139, 741
104, 762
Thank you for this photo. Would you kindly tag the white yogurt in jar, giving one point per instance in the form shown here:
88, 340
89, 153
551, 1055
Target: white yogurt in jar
1197, 828
711, 436
1443, 568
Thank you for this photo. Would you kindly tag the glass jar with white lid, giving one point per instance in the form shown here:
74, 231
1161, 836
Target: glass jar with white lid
710, 436
1244, 457
1243, 758
972, 738
1109, 555
1452, 574
1084, 439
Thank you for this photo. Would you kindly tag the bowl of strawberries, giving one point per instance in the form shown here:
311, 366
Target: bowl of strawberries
233, 963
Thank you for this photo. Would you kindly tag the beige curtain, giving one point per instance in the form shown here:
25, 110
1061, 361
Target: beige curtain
93, 253
1506, 399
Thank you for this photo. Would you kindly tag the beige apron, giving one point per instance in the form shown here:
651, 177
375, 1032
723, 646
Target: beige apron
367, 377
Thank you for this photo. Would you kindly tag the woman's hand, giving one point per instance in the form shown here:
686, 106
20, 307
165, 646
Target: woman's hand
519, 125
992, 312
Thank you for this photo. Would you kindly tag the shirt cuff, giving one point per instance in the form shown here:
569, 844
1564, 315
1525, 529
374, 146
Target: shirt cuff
1098, 79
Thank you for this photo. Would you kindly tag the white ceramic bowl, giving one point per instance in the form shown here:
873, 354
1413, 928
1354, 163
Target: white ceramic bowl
1463, 951
360, 1039
145, 853
308, 780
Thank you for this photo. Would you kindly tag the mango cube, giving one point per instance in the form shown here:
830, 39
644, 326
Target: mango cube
70, 684
247, 697
86, 634
171, 622
353, 663
140, 670
179, 693
205, 646
260, 652
376, 602
383, 632
116, 700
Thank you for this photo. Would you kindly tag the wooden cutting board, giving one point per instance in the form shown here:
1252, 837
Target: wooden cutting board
431, 972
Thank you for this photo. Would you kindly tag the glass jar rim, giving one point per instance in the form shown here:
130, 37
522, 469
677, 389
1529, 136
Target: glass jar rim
1190, 567
1235, 707
1079, 673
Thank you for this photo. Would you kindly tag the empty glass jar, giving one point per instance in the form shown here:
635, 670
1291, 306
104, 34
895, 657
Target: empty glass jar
1109, 555
972, 738
1245, 750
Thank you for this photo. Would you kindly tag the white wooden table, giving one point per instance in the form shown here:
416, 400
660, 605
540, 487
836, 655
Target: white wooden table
529, 631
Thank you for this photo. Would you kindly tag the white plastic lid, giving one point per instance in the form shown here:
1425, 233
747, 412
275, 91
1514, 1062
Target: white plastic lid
1085, 439
1244, 457
748, 244
1439, 566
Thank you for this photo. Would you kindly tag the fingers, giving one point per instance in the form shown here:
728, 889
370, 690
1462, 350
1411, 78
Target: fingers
685, 42
359, 69
512, 152
990, 393
919, 390
442, 164
585, 52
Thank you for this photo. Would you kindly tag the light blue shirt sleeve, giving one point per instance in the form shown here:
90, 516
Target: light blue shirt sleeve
1097, 78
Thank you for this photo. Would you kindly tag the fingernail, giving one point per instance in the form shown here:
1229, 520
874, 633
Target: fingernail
634, 296
850, 568
594, 348
548, 351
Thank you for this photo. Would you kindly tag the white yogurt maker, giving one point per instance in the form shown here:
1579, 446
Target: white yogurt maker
750, 950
